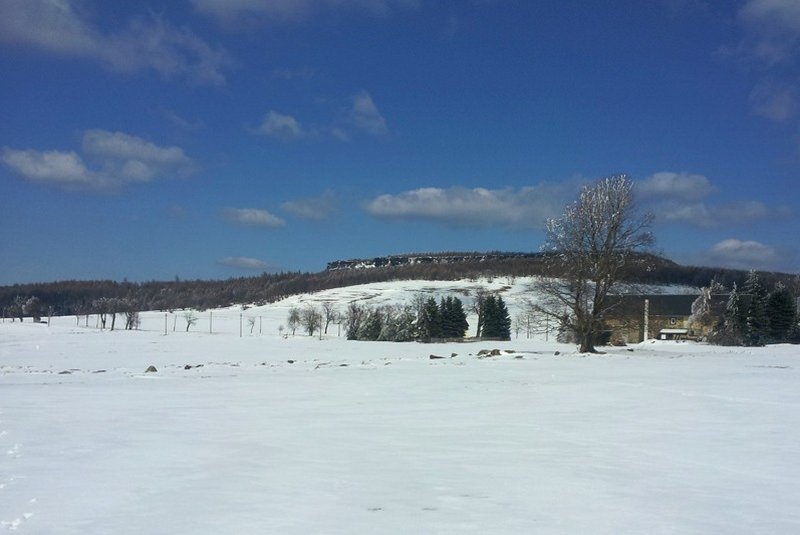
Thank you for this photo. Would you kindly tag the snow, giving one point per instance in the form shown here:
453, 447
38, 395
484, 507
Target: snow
372, 437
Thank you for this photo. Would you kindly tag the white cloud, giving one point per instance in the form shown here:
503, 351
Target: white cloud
774, 101
134, 159
53, 26
229, 11
243, 262
316, 208
668, 185
252, 217
364, 115
280, 126
478, 207
57, 167
701, 214
118, 159
683, 198
741, 254
773, 28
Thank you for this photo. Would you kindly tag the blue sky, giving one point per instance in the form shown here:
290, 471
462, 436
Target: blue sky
217, 138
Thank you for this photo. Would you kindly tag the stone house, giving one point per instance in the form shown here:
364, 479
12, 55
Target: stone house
634, 318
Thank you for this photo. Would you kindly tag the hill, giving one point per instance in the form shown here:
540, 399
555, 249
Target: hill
73, 297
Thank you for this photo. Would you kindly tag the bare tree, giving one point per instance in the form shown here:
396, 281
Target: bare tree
310, 319
477, 308
251, 322
589, 245
329, 312
293, 321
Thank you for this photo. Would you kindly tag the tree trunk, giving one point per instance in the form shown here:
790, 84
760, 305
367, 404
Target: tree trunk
587, 343
113, 320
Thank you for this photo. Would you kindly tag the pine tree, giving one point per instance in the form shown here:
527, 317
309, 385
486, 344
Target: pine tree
446, 316
734, 321
496, 320
504, 319
459, 319
429, 323
781, 313
756, 316
371, 327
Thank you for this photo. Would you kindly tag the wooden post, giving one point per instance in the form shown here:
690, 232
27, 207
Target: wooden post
210, 321
240, 325
645, 335
259, 325
165, 324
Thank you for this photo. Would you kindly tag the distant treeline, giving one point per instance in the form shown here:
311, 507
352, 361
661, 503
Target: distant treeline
78, 297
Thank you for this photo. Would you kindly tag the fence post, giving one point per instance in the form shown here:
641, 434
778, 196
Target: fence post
165, 324
240, 325
210, 321
259, 325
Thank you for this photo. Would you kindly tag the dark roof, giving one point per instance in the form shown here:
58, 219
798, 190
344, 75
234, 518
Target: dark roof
660, 305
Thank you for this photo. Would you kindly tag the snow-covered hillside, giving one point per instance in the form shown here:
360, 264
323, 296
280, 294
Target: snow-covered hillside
265, 434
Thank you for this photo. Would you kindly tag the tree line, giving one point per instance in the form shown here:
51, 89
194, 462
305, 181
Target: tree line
80, 297
755, 316
423, 319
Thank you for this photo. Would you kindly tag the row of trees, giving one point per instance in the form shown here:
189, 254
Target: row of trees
422, 319
754, 316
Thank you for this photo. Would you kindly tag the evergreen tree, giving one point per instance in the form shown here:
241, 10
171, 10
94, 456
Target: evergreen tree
781, 313
734, 320
429, 323
496, 320
453, 318
756, 315
459, 318
371, 328
446, 316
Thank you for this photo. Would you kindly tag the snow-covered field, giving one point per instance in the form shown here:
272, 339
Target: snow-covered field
301, 435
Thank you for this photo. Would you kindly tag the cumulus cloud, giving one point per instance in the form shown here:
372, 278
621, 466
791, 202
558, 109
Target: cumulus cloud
59, 167
252, 217
118, 159
683, 198
478, 207
773, 29
243, 262
280, 126
55, 27
315, 208
681, 186
365, 116
229, 11
743, 254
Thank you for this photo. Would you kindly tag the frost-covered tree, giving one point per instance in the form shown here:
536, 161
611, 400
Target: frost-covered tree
293, 320
756, 315
587, 248
731, 330
33, 308
352, 320
701, 307
371, 327
190, 318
